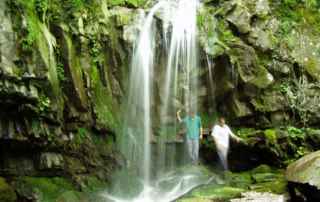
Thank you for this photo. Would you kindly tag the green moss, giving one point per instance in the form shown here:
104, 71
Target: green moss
38, 35
313, 67
276, 185
71, 196
260, 179
194, 199
104, 145
81, 135
47, 189
7, 194
215, 35
262, 169
93, 184
240, 180
215, 192
104, 106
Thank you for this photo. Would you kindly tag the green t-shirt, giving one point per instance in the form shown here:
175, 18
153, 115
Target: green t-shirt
193, 126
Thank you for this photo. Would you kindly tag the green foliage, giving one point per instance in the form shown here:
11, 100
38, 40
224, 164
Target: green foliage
44, 103
271, 136
246, 132
301, 151
41, 7
61, 73
77, 3
295, 133
284, 88
33, 30
95, 50
7, 193
32, 33
134, 3
294, 13
207, 120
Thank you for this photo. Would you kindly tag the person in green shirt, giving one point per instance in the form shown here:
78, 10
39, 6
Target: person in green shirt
193, 126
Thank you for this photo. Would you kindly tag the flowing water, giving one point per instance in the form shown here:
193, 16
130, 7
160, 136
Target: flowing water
163, 79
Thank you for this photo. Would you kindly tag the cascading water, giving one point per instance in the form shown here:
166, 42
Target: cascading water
147, 177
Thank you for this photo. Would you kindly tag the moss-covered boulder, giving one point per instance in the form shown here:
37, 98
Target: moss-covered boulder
305, 170
48, 189
7, 193
303, 177
262, 180
250, 71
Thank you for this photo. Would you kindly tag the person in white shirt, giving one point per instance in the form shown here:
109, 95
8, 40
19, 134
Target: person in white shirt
221, 134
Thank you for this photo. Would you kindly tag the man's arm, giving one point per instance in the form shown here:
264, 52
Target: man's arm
201, 129
179, 116
233, 136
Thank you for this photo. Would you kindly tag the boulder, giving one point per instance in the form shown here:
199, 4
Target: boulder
8, 52
239, 108
305, 45
240, 17
50, 161
245, 59
305, 170
270, 101
304, 176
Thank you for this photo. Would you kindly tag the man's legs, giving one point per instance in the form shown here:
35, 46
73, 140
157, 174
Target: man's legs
223, 154
190, 148
195, 151
193, 148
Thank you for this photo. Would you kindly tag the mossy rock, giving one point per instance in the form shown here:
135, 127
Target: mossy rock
215, 192
245, 59
305, 170
7, 193
194, 199
72, 196
266, 177
276, 186
42, 189
242, 180
93, 184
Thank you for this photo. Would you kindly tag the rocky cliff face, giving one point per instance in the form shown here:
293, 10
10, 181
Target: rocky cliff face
64, 67
265, 60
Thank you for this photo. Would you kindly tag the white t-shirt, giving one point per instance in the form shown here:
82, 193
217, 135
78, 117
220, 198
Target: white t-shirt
221, 134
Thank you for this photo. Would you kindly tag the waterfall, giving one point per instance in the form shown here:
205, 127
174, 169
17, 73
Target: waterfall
138, 110
149, 122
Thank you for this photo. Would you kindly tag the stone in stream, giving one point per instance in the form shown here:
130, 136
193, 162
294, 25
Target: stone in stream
260, 197
303, 175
